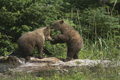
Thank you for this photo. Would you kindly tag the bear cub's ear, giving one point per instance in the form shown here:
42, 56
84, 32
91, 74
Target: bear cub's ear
46, 30
61, 22
47, 27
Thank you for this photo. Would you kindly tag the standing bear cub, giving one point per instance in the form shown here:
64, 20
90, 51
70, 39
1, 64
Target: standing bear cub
69, 36
29, 40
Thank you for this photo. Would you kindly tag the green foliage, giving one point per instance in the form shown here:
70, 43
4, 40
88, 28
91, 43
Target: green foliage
98, 23
18, 17
114, 1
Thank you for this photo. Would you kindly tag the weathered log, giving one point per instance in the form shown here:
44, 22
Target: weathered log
17, 64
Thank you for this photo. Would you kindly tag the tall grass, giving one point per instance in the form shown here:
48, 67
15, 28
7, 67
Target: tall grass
100, 49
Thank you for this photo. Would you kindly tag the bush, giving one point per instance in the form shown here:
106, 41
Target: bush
18, 17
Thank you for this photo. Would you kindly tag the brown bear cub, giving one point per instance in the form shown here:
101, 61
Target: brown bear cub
69, 36
29, 40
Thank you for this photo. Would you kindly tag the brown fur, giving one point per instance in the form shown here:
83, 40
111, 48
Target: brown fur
28, 41
70, 36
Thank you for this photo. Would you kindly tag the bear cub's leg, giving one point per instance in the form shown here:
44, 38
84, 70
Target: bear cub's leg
40, 49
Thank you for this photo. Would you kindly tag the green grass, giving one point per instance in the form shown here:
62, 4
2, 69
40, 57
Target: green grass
95, 73
100, 49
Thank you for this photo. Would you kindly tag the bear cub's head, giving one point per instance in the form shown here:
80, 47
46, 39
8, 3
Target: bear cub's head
47, 33
57, 25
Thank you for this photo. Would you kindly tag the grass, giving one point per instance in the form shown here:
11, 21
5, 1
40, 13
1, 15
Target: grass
95, 73
100, 49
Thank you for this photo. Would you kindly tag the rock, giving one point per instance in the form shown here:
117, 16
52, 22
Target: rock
16, 64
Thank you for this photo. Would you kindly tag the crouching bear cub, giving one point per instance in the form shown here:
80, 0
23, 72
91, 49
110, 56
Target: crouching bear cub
69, 36
29, 40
